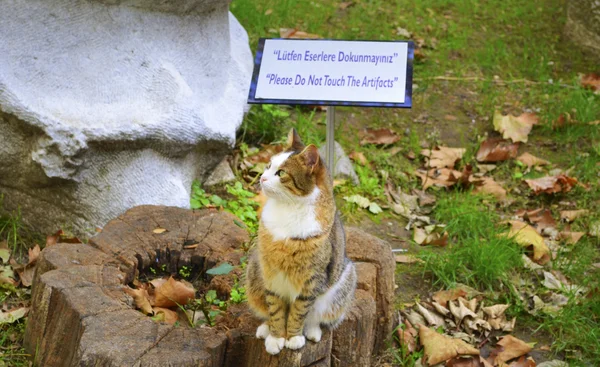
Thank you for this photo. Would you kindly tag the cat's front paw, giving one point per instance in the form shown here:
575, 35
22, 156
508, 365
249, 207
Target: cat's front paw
262, 331
295, 342
313, 333
274, 345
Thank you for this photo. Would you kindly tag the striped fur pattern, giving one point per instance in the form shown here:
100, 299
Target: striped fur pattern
298, 277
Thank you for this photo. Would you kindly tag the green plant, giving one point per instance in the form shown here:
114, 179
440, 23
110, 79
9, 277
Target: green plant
210, 306
478, 255
264, 123
238, 293
242, 206
185, 272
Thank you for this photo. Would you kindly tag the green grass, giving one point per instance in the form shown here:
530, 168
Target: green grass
477, 254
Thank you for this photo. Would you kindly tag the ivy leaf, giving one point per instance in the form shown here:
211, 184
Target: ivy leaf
195, 204
224, 268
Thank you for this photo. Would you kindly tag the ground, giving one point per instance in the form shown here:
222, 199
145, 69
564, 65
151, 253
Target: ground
473, 58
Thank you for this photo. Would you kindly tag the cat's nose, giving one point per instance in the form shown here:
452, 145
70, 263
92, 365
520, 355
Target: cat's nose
263, 179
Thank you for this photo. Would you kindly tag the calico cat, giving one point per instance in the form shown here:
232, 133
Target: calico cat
298, 277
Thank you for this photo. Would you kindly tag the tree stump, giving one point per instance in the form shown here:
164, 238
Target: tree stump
81, 316
583, 24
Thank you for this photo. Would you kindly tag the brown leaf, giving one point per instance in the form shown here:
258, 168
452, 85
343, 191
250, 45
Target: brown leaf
551, 184
526, 236
531, 160
294, 33
165, 314
442, 297
424, 198
141, 298
358, 157
407, 337
441, 157
345, 4
13, 315
542, 218
434, 235
515, 128
571, 215
496, 150
172, 293
465, 362
523, 362
378, 136
439, 348
34, 253
487, 185
495, 311
570, 238
440, 177
591, 81
508, 348
460, 311
53, 239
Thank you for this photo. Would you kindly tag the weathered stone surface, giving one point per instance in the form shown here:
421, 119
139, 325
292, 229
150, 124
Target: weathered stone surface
220, 175
82, 317
583, 24
343, 165
365, 248
105, 105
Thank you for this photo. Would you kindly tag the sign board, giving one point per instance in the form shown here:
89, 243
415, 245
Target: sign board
333, 72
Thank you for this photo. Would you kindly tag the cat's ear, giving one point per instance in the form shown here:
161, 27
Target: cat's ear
311, 157
293, 141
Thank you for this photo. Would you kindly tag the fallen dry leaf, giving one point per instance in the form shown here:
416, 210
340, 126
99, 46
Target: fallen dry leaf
432, 317
378, 136
407, 337
570, 238
172, 293
465, 362
159, 230
358, 157
434, 235
141, 298
165, 314
7, 275
443, 157
541, 217
531, 160
442, 297
571, 215
487, 185
34, 253
515, 128
424, 198
523, 362
525, 235
13, 315
495, 311
591, 81
439, 348
551, 184
460, 311
509, 348
294, 33
496, 150
440, 177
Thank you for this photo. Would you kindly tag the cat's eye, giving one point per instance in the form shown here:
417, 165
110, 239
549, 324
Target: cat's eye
280, 173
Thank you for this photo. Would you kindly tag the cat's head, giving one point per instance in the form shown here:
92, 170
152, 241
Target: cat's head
296, 173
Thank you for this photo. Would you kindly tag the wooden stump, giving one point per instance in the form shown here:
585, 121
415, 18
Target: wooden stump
81, 316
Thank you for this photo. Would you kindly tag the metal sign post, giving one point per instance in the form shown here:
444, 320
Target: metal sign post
330, 141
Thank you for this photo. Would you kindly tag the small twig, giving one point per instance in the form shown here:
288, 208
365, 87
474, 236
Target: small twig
497, 81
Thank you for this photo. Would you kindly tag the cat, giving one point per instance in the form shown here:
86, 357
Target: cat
298, 276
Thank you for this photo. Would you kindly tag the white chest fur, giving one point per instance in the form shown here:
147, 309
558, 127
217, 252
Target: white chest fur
291, 220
